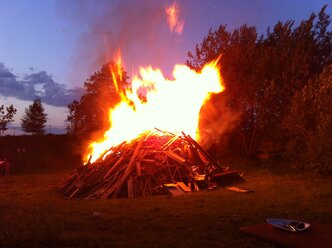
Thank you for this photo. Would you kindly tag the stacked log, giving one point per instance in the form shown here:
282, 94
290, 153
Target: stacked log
155, 163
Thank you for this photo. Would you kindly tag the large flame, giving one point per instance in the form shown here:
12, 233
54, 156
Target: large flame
171, 105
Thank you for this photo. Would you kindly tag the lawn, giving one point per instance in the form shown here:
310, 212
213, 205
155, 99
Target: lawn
34, 214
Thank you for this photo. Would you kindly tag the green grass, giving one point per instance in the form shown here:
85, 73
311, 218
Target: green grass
33, 214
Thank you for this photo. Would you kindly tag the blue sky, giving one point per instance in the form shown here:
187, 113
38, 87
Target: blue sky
49, 47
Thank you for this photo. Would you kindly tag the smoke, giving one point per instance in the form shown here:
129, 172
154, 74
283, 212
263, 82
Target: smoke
139, 29
217, 120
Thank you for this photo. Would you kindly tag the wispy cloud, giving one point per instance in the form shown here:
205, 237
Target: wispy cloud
35, 84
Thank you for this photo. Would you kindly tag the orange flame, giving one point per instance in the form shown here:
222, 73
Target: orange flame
171, 105
174, 23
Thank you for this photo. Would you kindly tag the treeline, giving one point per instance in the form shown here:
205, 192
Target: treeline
280, 86
33, 121
277, 99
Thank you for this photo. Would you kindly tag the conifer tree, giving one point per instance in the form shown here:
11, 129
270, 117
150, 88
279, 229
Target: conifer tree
35, 118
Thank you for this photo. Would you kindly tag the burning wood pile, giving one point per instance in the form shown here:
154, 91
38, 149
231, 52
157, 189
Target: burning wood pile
133, 161
157, 162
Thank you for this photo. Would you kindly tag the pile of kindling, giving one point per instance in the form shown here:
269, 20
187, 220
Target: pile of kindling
156, 162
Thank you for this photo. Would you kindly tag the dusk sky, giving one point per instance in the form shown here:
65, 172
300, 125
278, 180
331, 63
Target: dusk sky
48, 48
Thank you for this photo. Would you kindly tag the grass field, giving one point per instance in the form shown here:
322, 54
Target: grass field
33, 214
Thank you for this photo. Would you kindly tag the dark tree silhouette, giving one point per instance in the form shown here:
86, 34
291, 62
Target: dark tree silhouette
35, 118
6, 116
308, 124
262, 74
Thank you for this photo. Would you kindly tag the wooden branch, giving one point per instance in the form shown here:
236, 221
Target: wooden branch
193, 142
115, 166
138, 168
175, 156
128, 169
130, 187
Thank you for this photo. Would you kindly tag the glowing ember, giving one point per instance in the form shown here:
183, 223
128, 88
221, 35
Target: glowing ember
171, 105
174, 22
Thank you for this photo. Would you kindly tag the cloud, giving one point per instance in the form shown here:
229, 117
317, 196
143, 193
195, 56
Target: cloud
36, 84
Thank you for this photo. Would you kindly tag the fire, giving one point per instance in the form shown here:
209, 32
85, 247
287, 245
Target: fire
174, 22
169, 104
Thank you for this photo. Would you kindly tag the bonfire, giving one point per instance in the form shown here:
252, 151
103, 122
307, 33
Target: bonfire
149, 147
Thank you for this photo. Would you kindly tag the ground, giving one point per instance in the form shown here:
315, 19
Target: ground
34, 214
